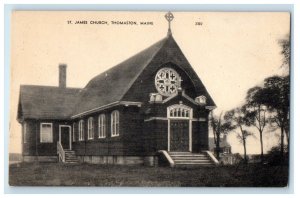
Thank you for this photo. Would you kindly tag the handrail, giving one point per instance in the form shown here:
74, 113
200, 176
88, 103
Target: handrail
61, 152
212, 157
168, 157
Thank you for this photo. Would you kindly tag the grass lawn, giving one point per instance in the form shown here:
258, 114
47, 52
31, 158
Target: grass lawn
57, 174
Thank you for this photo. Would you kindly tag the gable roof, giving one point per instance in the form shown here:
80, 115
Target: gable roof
46, 102
112, 85
107, 88
99, 90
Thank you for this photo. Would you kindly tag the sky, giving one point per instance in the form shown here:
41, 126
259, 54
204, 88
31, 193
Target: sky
230, 52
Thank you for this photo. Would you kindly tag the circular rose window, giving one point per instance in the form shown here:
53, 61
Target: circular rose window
167, 81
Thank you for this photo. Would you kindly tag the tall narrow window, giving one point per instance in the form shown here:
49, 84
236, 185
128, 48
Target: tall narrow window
81, 130
73, 130
101, 126
90, 128
115, 123
46, 133
25, 132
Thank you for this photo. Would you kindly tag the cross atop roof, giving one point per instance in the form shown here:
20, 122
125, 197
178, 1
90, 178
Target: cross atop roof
169, 16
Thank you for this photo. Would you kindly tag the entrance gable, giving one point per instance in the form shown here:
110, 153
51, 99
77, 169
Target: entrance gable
169, 56
181, 98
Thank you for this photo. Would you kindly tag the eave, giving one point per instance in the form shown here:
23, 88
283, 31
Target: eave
113, 104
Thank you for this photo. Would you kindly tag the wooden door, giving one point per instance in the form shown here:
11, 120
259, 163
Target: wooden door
179, 135
65, 137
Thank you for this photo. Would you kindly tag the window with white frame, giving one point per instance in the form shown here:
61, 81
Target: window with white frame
115, 123
179, 111
25, 132
81, 130
101, 126
73, 132
90, 128
46, 133
201, 100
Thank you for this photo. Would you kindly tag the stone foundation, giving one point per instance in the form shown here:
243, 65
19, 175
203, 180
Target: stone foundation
27, 158
120, 160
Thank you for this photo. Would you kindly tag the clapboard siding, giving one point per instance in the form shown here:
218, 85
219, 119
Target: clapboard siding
132, 126
143, 129
33, 145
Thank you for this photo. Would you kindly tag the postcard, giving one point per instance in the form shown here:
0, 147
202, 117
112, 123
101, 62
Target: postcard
164, 99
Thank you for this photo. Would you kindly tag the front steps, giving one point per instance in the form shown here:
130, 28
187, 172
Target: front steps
187, 158
70, 157
66, 155
184, 159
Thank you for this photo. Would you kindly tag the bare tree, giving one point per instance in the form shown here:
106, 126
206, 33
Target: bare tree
258, 111
276, 96
285, 45
242, 137
239, 119
219, 127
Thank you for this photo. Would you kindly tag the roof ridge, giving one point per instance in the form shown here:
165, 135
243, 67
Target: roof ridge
48, 86
120, 63
154, 54
151, 50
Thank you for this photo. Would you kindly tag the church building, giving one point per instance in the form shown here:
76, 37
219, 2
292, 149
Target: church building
149, 109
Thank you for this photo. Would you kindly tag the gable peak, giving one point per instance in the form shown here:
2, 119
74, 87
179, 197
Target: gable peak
169, 17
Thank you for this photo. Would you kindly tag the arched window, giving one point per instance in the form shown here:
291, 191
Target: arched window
101, 126
90, 128
115, 123
180, 111
81, 130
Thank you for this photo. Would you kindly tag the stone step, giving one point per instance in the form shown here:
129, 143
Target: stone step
187, 163
189, 157
174, 152
71, 158
187, 154
192, 160
194, 165
71, 162
71, 153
